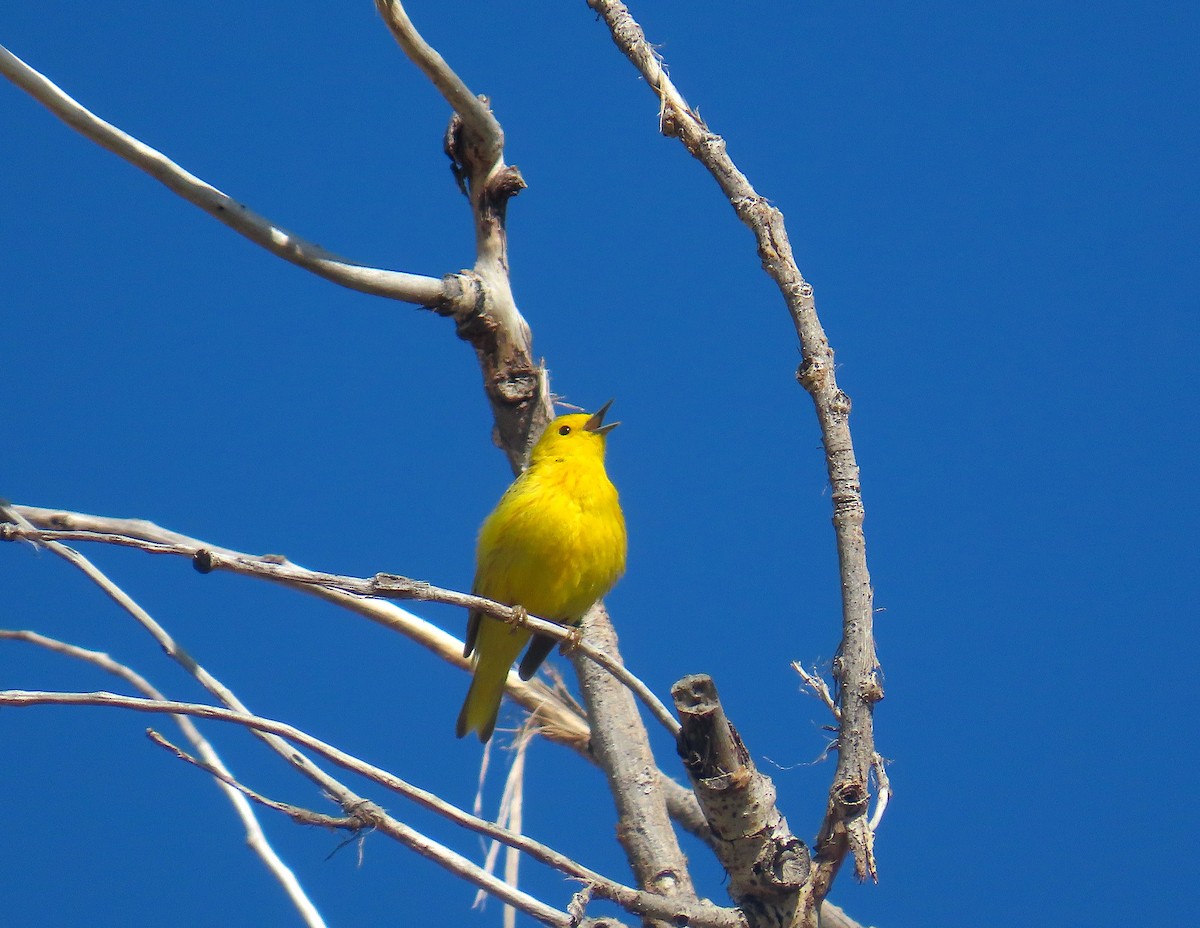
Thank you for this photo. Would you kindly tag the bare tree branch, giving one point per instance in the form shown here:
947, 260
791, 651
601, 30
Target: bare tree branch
856, 666
516, 385
479, 301
768, 866
622, 749
702, 914
482, 304
296, 813
278, 569
473, 111
557, 720
819, 688
352, 803
883, 790
255, 837
476, 156
445, 295
474, 144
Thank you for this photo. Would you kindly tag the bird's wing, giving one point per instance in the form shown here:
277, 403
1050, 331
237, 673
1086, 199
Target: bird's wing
473, 618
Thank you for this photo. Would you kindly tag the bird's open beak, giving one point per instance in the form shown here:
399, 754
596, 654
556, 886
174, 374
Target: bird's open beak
596, 422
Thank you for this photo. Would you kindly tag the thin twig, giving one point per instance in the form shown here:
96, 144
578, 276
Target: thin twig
439, 293
173, 650
510, 812
255, 837
296, 813
639, 903
559, 718
350, 801
819, 688
388, 586
883, 791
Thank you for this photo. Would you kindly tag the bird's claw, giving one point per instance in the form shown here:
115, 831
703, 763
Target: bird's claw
573, 640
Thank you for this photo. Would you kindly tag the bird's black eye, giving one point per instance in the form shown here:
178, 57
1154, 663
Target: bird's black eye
564, 430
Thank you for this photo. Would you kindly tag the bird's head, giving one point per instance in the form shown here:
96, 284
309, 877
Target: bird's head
576, 435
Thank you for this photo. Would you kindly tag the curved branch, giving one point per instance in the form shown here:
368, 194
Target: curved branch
639, 903
255, 837
445, 294
556, 720
388, 586
856, 665
474, 112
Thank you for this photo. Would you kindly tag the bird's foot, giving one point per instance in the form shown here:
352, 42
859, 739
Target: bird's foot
573, 640
518, 618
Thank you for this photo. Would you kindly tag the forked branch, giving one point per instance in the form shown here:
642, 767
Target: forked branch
365, 814
388, 586
479, 301
556, 720
256, 838
516, 384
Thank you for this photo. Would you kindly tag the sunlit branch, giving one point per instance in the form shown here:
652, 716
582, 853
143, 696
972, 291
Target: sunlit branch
211, 761
474, 112
349, 801
557, 718
370, 815
296, 813
856, 667
438, 293
388, 586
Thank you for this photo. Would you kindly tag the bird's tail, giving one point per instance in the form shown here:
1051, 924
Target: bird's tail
496, 651
481, 706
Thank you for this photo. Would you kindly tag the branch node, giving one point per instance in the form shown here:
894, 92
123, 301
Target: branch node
852, 798
577, 907
839, 406
205, 561
812, 372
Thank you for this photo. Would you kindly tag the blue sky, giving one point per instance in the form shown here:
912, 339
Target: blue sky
997, 206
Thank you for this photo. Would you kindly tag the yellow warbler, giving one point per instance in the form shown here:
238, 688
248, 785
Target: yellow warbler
554, 544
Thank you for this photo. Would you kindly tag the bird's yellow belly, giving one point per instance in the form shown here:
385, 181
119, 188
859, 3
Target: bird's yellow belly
557, 556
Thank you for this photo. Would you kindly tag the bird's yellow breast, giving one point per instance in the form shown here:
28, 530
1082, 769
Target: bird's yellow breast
556, 541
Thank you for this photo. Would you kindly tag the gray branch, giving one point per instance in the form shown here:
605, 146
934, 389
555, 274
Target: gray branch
846, 824
622, 749
366, 814
256, 838
516, 384
768, 866
556, 720
444, 295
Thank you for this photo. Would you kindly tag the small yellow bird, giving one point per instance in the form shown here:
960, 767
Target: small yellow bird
554, 544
